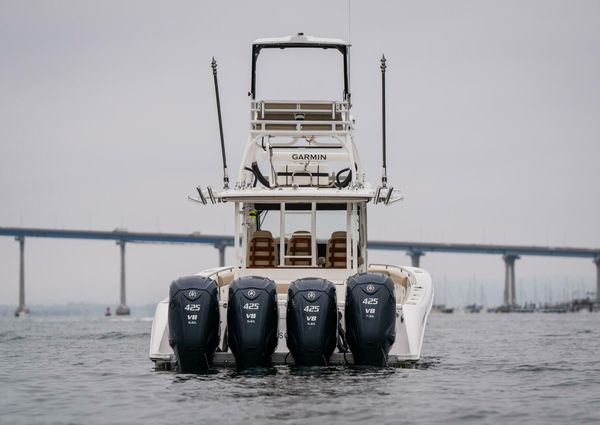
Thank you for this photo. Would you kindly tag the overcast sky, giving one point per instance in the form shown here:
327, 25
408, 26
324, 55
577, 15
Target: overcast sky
107, 119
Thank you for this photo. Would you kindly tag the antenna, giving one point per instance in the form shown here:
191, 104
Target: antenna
348, 21
348, 96
384, 171
225, 175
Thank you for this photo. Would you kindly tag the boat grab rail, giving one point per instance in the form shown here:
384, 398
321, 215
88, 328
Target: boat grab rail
222, 269
301, 122
301, 126
303, 172
302, 110
216, 271
387, 267
299, 105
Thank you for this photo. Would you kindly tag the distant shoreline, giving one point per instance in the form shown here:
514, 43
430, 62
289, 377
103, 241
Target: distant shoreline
76, 310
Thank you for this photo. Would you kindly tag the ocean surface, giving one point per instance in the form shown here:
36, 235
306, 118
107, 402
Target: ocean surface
479, 368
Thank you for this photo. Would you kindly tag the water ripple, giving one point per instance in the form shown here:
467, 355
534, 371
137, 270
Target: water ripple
483, 369
9, 336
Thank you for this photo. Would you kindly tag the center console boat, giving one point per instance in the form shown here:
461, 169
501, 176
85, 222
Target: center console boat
301, 290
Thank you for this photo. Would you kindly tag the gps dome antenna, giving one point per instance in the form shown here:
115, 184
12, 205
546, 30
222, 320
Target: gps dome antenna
384, 171
225, 174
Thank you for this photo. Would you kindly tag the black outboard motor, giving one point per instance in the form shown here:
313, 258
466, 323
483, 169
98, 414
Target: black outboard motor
194, 322
370, 318
252, 318
311, 321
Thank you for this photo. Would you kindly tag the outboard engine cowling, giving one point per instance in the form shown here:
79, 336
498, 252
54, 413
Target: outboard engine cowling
311, 321
194, 322
252, 318
370, 318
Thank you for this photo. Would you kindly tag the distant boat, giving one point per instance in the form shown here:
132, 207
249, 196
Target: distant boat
22, 313
557, 308
527, 308
582, 304
441, 308
473, 308
107, 312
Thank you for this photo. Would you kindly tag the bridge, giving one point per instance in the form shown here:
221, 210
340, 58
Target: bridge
509, 253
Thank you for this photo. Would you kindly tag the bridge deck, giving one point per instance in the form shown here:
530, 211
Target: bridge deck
226, 240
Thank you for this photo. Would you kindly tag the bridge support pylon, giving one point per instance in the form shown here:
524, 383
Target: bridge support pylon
221, 247
22, 309
415, 257
597, 263
510, 293
122, 309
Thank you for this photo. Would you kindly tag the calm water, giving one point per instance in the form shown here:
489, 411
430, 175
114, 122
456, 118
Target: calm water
483, 368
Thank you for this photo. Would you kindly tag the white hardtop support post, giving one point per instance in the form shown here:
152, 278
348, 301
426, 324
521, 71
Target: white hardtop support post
364, 222
236, 234
282, 234
313, 233
348, 236
244, 231
354, 230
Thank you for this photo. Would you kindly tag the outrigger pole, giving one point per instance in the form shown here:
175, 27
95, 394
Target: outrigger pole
384, 172
225, 174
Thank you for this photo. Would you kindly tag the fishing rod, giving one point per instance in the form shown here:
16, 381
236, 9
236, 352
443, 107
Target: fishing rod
225, 174
384, 171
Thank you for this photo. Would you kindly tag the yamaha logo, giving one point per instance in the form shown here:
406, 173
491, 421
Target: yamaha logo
251, 293
311, 295
370, 288
192, 294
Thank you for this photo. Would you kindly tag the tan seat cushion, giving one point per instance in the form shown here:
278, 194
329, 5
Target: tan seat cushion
336, 250
261, 249
299, 244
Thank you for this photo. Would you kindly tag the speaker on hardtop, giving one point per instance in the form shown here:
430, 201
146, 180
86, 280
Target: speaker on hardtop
194, 322
311, 321
370, 318
252, 321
